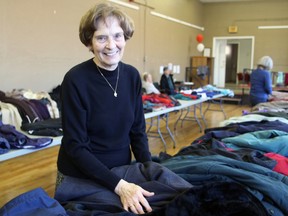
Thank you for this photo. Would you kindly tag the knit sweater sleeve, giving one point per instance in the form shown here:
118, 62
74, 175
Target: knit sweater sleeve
98, 128
138, 136
76, 144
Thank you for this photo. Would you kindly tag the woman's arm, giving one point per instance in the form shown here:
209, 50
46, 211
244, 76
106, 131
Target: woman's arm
76, 143
138, 136
268, 83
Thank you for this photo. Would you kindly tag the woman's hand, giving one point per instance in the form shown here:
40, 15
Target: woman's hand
133, 196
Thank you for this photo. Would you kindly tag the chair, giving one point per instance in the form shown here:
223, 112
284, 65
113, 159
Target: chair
244, 76
156, 84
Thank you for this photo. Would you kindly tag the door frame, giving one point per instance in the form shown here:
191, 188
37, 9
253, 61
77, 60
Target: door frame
219, 69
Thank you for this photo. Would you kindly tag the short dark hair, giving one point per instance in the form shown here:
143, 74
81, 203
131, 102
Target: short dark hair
165, 68
88, 23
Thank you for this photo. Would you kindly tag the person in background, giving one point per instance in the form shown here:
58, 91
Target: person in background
148, 84
167, 85
260, 81
102, 110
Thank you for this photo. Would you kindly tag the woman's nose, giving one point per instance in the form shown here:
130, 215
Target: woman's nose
110, 43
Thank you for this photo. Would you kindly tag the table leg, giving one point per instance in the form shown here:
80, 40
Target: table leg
186, 117
179, 118
164, 117
160, 133
196, 118
218, 110
169, 131
202, 116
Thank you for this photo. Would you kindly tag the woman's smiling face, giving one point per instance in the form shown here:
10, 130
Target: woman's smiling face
108, 43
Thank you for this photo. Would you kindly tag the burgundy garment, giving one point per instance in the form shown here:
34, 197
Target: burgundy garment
286, 79
26, 112
34, 110
247, 78
159, 99
41, 109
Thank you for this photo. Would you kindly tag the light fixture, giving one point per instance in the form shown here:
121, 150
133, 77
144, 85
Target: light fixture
125, 4
176, 20
273, 27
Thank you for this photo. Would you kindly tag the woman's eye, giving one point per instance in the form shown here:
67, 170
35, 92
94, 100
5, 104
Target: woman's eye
118, 36
101, 38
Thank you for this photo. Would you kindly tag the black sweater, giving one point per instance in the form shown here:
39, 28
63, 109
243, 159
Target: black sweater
99, 128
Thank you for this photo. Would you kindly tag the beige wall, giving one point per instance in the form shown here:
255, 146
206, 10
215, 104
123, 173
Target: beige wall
248, 16
39, 38
171, 42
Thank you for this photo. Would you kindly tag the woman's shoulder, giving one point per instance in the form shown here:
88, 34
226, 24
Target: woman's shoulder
129, 71
128, 67
83, 65
78, 73
80, 69
259, 72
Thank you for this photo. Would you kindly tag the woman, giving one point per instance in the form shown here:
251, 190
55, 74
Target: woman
260, 81
102, 110
148, 84
103, 121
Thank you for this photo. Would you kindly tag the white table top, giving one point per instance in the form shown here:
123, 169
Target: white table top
19, 152
57, 140
184, 104
188, 83
160, 112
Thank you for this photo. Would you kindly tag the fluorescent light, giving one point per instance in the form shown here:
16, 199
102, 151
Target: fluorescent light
273, 27
176, 20
125, 4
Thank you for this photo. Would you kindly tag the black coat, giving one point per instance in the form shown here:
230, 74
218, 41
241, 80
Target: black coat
164, 86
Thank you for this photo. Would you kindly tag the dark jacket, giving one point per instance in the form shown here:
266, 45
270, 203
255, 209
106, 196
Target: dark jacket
164, 84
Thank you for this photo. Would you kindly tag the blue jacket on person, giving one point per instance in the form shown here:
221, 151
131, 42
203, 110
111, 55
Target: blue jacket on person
261, 86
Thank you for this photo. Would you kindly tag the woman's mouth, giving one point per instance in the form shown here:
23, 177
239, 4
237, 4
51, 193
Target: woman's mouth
111, 53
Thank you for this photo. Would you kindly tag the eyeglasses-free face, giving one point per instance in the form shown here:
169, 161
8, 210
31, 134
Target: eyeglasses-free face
108, 43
